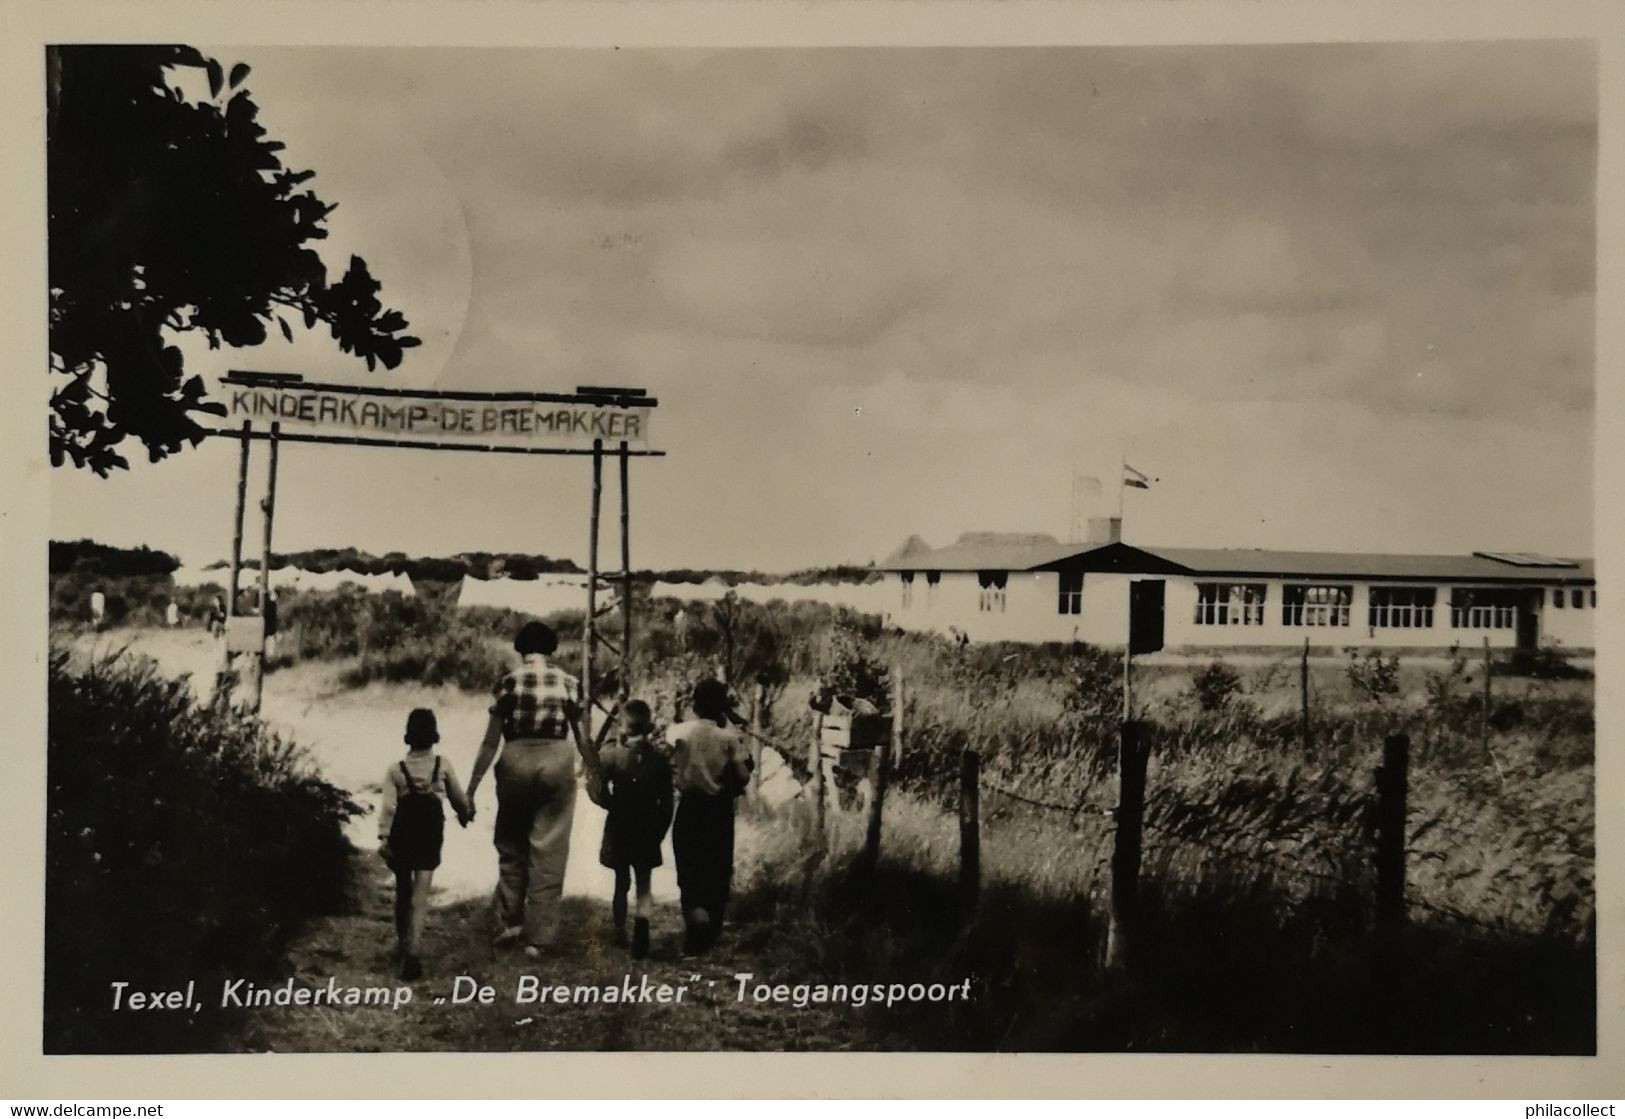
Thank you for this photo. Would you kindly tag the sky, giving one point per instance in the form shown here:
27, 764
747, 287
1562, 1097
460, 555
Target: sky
1330, 296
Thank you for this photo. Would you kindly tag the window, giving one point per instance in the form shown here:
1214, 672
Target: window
1402, 607
1230, 604
908, 589
932, 579
1315, 605
1483, 608
1557, 597
1577, 598
992, 584
1593, 598
1071, 592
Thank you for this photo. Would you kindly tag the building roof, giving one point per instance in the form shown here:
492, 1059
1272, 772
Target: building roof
981, 551
1373, 565
985, 552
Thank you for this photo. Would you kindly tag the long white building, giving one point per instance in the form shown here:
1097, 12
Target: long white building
1002, 587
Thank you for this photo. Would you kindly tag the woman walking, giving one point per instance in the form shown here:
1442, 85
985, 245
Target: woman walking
532, 721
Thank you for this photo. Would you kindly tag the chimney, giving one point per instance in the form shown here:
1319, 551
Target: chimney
1105, 530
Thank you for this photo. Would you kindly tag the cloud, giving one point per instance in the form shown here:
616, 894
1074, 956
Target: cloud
1351, 287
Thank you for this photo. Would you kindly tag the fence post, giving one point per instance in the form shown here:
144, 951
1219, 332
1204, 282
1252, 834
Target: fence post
815, 758
1393, 777
1303, 690
1131, 759
879, 774
970, 832
1484, 716
758, 723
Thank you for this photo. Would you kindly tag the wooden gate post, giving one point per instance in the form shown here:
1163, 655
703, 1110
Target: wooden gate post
1393, 777
970, 833
269, 506
589, 633
1131, 762
237, 524
625, 692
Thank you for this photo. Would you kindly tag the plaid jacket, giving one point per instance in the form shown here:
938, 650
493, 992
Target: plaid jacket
536, 700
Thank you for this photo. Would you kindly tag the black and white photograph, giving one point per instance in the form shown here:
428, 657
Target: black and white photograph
1051, 548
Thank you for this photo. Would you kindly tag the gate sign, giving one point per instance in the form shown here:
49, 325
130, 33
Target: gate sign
510, 419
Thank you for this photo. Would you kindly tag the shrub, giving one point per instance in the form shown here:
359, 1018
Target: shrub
1549, 662
1373, 676
850, 669
184, 842
1215, 687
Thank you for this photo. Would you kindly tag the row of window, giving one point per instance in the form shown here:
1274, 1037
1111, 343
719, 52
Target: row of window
1576, 597
1219, 604
1302, 604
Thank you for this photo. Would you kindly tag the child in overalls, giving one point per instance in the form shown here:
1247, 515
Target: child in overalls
637, 780
411, 828
711, 766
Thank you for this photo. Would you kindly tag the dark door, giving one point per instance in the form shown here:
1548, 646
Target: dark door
1529, 618
1145, 608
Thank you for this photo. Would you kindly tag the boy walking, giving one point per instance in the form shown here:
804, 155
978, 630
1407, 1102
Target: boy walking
637, 781
711, 765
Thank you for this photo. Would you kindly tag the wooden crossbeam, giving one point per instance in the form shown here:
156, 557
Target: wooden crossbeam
418, 445
623, 398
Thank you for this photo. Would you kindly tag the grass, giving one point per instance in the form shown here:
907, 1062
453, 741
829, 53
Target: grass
1256, 929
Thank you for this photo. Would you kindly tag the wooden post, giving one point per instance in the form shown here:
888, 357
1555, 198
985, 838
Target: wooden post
1393, 778
1128, 661
970, 832
816, 757
589, 634
899, 699
1484, 716
237, 526
759, 724
879, 773
269, 507
626, 576
1131, 761
1303, 693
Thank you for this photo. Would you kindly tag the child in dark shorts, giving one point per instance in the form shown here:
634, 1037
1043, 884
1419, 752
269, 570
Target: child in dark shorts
637, 782
711, 766
411, 828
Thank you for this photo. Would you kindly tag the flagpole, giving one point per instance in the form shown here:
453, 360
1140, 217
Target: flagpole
1122, 487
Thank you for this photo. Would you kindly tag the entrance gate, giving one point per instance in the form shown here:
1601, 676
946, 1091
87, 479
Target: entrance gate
593, 421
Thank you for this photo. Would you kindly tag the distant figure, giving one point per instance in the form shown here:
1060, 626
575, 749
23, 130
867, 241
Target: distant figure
227, 676
532, 719
172, 614
98, 608
680, 627
411, 830
711, 766
637, 779
217, 617
270, 626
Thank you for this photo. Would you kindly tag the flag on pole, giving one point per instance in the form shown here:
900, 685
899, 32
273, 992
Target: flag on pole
1136, 479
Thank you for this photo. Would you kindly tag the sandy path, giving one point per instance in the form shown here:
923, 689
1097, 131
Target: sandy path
354, 735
